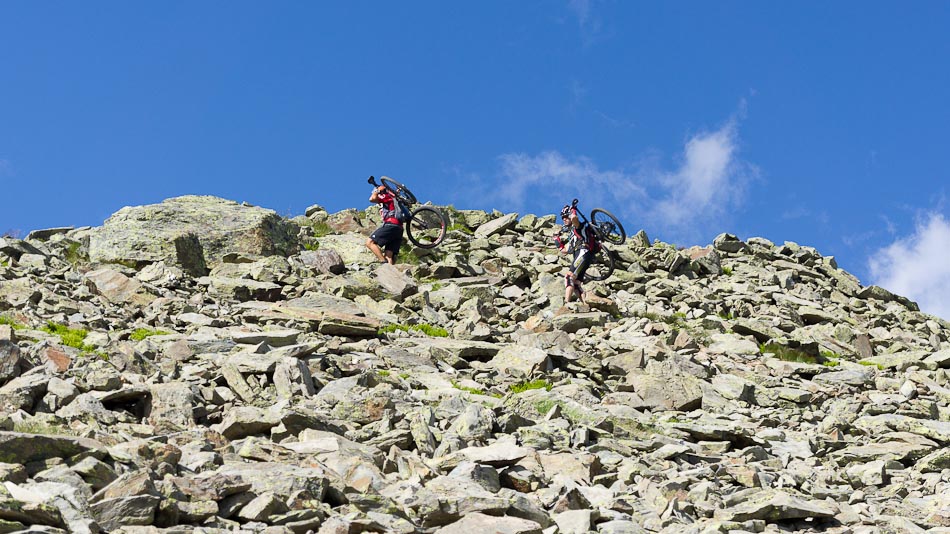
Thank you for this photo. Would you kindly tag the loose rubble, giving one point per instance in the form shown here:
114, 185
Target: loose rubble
203, 365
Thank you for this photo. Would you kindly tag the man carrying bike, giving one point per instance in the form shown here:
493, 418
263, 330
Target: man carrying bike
576, 244
387, 237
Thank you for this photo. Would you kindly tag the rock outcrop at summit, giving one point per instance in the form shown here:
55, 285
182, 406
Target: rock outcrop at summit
192, 232
186, 367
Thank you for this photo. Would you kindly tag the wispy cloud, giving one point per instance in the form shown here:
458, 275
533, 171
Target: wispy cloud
916, 265
553, 176
581, 10
616, 123
708, 181
590, 24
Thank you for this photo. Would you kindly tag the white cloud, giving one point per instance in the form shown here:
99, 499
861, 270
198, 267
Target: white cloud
551, 175
709, 182
916, 266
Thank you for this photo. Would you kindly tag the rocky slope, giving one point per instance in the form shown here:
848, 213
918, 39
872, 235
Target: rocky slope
201, 365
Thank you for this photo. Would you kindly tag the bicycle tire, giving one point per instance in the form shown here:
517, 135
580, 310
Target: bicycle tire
601, 267
426, 227
609, 226
401, 191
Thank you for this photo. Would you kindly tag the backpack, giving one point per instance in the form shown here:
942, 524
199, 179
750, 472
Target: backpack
402, 212
590, 239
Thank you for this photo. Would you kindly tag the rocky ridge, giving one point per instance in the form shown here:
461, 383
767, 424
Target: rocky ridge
203, 365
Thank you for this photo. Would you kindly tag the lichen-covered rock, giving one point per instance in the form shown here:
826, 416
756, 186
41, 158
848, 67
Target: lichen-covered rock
22, 448
193, 232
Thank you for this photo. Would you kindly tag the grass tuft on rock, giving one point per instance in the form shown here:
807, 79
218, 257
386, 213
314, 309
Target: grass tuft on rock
141, 333
521, 387
321, 228
461, 228
545, 406
72, 253
787, 354
427, 329
39, 427
12, 323
474, 391
71, 337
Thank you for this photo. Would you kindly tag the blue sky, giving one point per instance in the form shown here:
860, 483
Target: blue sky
823, 124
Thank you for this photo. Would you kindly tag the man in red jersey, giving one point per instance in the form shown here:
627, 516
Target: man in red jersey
387, 239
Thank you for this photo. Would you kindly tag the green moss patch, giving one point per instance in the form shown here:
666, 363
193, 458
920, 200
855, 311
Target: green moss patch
473, 391
521, 387
787, 354
71, 337
545, 406
141, 333
12, 323
429, 330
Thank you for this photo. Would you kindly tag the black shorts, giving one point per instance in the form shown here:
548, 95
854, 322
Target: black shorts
582, 260
388, 237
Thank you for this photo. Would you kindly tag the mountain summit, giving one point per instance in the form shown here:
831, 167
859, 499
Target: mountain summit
205, 365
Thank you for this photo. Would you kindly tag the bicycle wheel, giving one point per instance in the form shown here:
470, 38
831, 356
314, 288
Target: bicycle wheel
608, 225
601, 267
403, 192
426, 227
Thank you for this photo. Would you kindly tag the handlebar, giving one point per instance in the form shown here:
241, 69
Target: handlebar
372, 181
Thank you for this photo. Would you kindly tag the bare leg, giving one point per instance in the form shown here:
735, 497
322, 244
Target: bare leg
370, 244
390, 257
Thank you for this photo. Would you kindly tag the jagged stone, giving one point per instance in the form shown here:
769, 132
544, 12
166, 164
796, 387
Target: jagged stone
16, 513
343, 324
246, 421
17, 293
496, 226
395, 281
172, 403
11, 365
112, 514
728, 243
118, 288
323, 261
523, 361
572, 322
242, 289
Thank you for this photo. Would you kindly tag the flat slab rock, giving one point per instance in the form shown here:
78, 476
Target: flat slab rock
274, 338
20, 448
773, 505
498, 454
478, 522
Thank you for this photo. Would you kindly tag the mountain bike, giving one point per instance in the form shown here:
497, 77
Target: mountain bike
426, 224
605, 227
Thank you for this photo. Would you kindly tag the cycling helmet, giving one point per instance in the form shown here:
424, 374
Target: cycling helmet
566, 211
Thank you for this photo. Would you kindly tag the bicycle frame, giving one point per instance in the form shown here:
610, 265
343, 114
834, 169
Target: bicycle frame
402, 198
